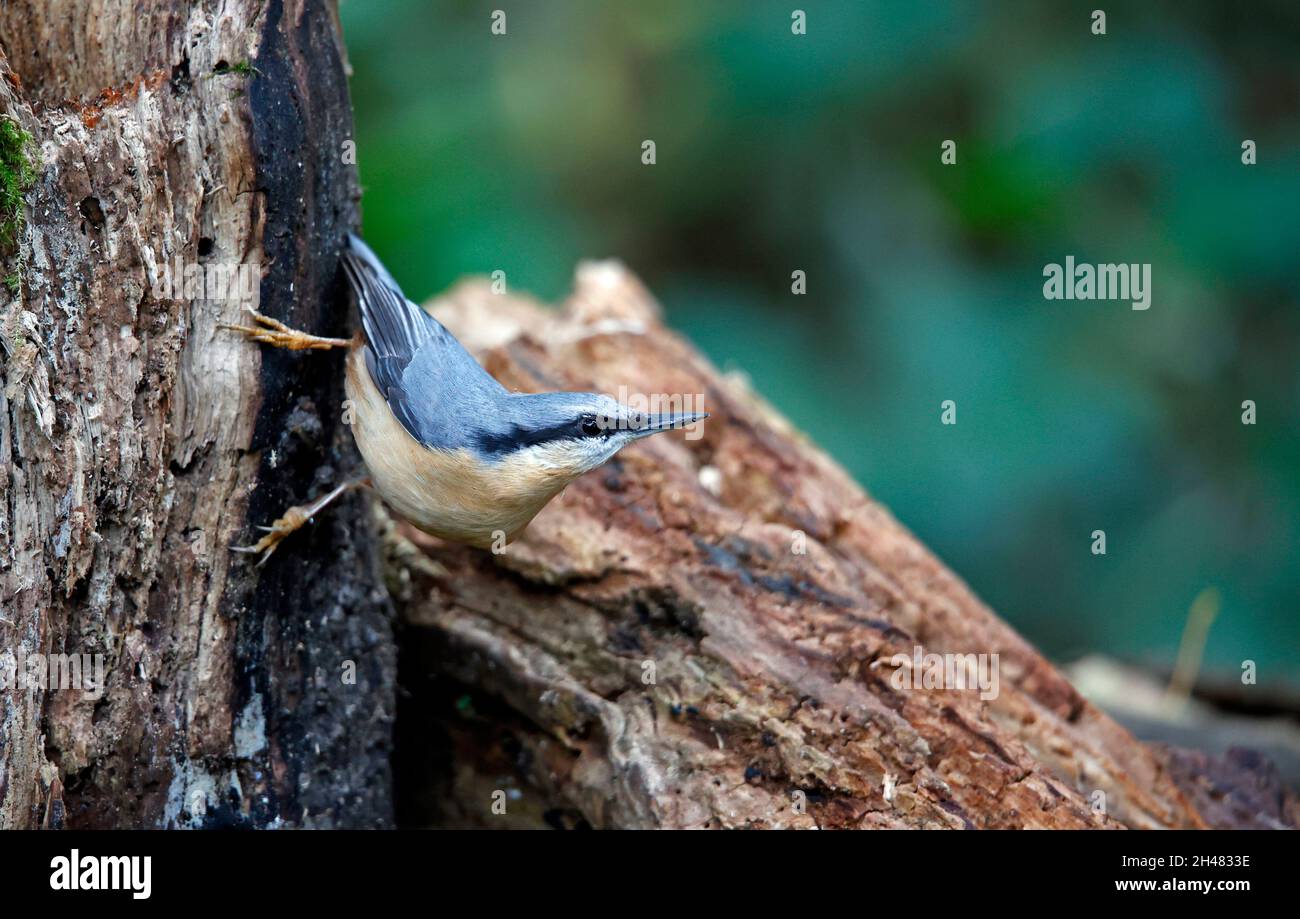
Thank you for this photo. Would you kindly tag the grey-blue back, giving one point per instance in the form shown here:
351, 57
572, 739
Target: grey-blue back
437, 390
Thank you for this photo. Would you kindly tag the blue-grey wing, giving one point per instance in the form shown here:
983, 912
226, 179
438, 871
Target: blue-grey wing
433, 386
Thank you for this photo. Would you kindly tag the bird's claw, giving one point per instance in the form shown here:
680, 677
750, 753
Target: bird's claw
292, 520
273, 332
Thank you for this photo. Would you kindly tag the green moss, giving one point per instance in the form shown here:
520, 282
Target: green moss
14, 282
17, 173
243, 68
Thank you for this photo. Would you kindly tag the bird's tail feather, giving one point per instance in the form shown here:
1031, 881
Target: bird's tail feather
359, 251
394, 326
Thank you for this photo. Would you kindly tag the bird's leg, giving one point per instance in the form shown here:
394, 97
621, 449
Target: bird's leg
273, 332
294, 518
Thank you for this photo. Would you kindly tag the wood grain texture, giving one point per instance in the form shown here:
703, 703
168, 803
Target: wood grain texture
771, 690
137, 440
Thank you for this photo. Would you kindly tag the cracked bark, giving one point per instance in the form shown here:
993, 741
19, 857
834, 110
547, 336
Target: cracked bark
137, 440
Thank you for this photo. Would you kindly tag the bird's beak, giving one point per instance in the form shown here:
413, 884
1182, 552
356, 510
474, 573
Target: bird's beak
666, 421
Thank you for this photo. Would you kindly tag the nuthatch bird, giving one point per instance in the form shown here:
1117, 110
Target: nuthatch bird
446, 445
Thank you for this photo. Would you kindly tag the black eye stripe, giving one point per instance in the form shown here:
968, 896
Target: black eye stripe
515, 437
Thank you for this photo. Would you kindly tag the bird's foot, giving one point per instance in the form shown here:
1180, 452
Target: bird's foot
273, 332
291, 521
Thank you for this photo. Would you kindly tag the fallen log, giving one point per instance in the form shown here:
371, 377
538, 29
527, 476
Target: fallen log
721, 632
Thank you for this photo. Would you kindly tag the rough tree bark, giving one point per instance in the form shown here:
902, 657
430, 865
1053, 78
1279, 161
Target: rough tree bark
769, 668
137, 441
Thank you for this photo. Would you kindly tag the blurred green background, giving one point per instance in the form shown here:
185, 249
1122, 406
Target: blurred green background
821, 152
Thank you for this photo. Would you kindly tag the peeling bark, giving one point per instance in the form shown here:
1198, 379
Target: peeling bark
137, 440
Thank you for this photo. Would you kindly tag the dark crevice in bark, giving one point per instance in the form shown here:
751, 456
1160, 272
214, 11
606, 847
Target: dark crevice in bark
317, 610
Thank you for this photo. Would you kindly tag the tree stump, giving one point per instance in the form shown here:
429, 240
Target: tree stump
138, 440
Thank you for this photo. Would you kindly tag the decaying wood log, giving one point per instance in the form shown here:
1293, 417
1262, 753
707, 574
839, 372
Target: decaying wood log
657, 651
137, 440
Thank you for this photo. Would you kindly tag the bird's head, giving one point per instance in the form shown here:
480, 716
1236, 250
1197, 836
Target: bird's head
566, 434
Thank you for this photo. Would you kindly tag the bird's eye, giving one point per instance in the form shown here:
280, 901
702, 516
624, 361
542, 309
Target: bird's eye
590, 426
